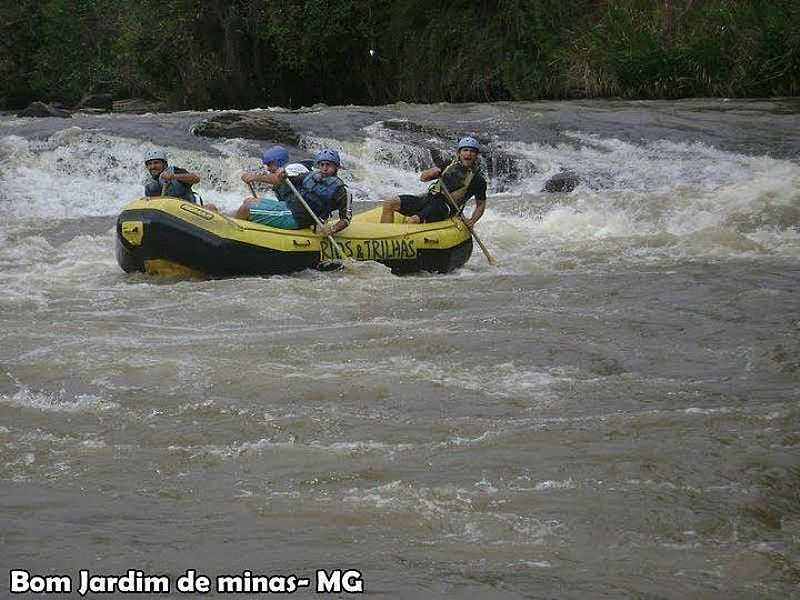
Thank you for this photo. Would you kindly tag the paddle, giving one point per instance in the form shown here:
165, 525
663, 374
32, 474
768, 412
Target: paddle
453, 204
164, 183
315, 217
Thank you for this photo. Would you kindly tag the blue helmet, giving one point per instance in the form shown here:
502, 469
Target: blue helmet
329, 154
277, 154
469, 142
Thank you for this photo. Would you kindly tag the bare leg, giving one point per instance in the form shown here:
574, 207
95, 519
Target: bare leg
243, 212
390, 206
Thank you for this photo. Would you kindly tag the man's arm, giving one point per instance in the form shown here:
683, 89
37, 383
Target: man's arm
270, 178
181, 175
480, 206
480, 203
430, 174
342, 200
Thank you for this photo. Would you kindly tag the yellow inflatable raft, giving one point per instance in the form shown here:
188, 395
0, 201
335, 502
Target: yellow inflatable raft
171, 236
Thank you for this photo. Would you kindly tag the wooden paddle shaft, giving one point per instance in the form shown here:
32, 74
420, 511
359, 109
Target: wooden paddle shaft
314, 216
452, 203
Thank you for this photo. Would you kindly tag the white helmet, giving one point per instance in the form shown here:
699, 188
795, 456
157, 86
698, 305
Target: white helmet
155, 155
469, 142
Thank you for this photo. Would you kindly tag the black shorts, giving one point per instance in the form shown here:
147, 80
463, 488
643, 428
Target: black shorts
429, 208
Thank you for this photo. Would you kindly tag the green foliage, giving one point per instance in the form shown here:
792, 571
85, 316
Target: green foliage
19, 27
74, 54
439, 59
143, 52
534, 35
675, 48
316, 51
773, 65
244, 53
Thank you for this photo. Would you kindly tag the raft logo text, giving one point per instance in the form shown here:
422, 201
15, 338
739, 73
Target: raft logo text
135, 581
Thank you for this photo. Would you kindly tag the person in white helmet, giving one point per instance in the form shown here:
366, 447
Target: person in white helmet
463, 181
168, 181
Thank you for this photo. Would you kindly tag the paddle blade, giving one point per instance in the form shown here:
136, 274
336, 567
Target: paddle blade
330, 265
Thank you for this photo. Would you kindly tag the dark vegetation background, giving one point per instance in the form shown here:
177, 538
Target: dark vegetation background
247, 53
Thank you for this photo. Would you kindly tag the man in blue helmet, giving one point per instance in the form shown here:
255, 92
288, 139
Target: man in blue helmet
168, 181
462, 180
322, 190
269, 211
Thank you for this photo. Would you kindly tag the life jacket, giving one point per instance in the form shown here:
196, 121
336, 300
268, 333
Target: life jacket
152, 188
173, 189
457, 178
282, 190
318, 192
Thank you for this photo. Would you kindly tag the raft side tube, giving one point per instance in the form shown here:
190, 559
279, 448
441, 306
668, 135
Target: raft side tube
169, 230
169, 238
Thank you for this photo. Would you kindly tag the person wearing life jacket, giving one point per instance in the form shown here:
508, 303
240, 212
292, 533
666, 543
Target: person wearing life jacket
268, 211
322, 190
461, 178
168, 181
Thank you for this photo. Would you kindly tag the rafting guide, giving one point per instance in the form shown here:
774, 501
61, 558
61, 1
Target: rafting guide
135, 581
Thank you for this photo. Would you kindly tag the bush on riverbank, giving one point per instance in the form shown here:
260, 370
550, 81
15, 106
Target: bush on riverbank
673, 49
242, 53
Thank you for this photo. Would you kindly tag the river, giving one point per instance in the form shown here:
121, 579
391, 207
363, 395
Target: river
611, 412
